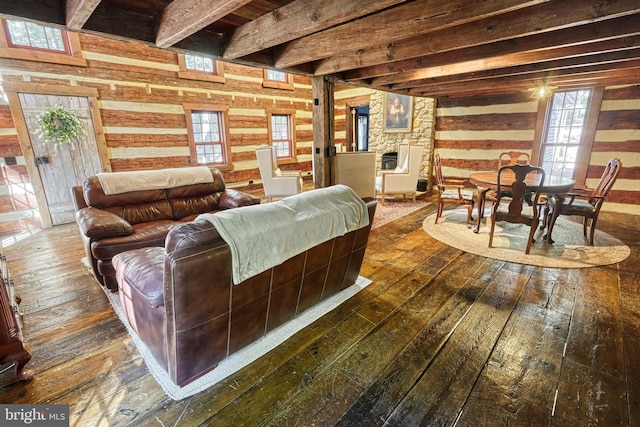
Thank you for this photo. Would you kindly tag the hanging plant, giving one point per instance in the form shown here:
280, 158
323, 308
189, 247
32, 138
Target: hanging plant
59, 126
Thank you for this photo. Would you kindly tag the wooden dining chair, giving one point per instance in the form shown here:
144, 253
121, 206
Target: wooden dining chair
513, 158
515, 209
506, 158
452, 190
587, 202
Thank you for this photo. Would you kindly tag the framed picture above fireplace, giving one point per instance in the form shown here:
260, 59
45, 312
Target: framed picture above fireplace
398, 112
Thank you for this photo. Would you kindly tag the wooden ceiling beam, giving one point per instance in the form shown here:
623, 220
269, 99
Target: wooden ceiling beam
295, 20
553, 75
580, 35
78, 11
182, 18
512, 60
417, 17
571, 81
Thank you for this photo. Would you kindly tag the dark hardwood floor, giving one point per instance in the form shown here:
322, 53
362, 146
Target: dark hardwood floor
441, 337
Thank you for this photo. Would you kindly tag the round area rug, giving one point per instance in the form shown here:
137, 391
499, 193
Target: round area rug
569, 250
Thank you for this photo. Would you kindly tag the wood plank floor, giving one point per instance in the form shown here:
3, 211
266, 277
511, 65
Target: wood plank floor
441, 337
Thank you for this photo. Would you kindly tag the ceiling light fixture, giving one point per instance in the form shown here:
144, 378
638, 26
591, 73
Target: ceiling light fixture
542, 90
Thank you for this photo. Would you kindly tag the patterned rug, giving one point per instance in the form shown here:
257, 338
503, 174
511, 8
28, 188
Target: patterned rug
394, 209
569, 250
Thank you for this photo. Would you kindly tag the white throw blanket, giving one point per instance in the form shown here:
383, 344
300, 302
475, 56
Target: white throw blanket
123, 182
263, 236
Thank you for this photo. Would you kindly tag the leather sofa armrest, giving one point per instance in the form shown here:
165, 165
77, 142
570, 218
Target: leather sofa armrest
230, 199
94, 222
77, 195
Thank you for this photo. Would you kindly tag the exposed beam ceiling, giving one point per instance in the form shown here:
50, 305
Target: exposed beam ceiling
420, 47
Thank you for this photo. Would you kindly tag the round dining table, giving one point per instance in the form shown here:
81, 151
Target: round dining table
553, 186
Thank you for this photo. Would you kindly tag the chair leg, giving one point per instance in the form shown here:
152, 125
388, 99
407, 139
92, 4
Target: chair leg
493, 225
534, 226
439, 211
584, 226
593, 230
469, 210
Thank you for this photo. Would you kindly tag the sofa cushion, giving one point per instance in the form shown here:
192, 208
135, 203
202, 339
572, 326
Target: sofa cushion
98, 223
135, 207
148, 234
193, 199
142, 269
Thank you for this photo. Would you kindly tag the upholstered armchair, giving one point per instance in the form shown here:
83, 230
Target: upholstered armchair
404, 179
357, 169
276, 183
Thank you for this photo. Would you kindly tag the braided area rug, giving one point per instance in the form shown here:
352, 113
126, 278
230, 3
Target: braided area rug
569, 250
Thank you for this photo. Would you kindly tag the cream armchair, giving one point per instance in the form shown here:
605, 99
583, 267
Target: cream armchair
404, 179
357, 169
276, 183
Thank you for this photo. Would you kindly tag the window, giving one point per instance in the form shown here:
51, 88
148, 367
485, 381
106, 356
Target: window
277, 80
35, 42
198, 67
208, 135
281, 133
35, 36
564, 132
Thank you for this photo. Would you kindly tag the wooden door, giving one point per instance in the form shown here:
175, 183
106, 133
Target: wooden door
61, 167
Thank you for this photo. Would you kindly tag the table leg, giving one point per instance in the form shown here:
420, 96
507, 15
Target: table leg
559, 200
482, 193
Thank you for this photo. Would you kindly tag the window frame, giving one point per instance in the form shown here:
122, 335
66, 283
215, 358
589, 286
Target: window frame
293, 158
586, 146
216, 76
287, 85
222, 110
72, 56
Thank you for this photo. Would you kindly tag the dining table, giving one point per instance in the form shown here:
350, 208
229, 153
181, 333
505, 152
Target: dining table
553, 186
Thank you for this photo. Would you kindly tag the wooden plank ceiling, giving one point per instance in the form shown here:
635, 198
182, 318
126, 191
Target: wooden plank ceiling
433, 48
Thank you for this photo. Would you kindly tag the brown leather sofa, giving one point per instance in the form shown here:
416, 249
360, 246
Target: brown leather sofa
183, 304
111, 224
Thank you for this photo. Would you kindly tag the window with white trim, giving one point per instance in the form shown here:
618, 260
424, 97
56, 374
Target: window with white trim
277, 80
282, 134
564, 132
199, 63
35, 36
208, 135
198, 67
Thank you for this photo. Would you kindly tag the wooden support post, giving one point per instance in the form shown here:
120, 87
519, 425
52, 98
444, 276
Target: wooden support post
323, 121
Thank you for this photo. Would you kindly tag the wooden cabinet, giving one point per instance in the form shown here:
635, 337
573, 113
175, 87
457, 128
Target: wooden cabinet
12, 348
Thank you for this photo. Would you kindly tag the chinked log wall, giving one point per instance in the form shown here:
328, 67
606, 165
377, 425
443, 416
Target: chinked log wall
140, 97
472, 132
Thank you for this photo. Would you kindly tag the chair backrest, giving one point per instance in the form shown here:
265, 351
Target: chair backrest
403, 158
416, 153
266, 163
267, 166
518, 177
437, 165
608, 178
513, 158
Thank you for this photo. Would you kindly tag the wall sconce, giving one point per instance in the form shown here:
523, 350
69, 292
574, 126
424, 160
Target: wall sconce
542, 90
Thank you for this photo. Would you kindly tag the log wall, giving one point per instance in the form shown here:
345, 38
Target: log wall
140, 97
472, 132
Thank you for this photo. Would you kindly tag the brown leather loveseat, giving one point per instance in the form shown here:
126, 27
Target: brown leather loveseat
182, 301
113, 223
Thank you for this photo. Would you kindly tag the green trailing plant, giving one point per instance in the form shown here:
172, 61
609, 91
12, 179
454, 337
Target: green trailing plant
59, 126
